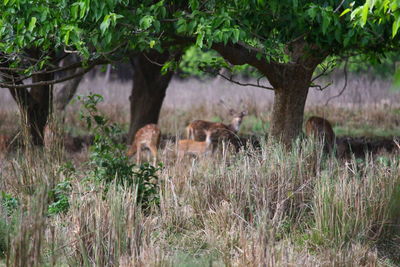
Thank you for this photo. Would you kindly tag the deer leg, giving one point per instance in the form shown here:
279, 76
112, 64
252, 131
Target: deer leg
153, 151
138, 152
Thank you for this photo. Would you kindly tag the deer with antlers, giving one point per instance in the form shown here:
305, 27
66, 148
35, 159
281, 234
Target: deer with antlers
317, 127
146, 137
188, 146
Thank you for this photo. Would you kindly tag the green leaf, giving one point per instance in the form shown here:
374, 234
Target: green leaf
347, 10
395, 26
312, 13
74, 11
364, 14
152, 43
181, 26
146, 22
236, 35
66, 37
32, 24
105, 24
393, 5
326, 20
84, 8
194, 4
199, 39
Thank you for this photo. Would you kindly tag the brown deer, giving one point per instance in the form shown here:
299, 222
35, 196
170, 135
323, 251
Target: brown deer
221, 131
188, 146
146, 137
317, 127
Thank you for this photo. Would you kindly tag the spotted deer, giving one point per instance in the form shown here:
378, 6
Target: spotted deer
188, 146
146, 137
221, 131
317, 127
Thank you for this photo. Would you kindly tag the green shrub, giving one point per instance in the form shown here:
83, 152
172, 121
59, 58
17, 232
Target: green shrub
108, 161
60, 195
9, 203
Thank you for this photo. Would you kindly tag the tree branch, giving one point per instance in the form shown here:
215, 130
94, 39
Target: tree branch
344, 86
13, 85
325, 71
65, 68
230, 79
339, 6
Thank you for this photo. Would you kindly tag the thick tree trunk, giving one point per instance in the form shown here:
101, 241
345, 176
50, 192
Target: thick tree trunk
148, 90
291, 83
38, 110
287, 114
291, 92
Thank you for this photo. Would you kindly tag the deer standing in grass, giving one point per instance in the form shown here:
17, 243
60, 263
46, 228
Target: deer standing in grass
321, 128
195, 130
188, 146
146, 137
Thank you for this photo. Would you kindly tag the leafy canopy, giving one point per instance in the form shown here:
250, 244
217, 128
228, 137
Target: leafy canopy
99, 28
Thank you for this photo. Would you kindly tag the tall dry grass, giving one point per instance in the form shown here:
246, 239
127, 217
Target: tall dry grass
258, 207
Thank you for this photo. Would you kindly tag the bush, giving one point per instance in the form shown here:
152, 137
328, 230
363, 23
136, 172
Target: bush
9, 203
60, 195
108, 162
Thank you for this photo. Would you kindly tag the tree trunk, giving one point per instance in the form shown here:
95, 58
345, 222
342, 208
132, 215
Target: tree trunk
68, 90
148, 90
36, 106
291, 92
38, 110
291, 83
287, 115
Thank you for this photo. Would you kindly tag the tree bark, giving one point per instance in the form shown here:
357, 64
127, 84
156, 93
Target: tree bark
291, 84
148, 90
287, 115
68, 90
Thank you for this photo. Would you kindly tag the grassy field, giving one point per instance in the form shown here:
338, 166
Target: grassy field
262, 206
